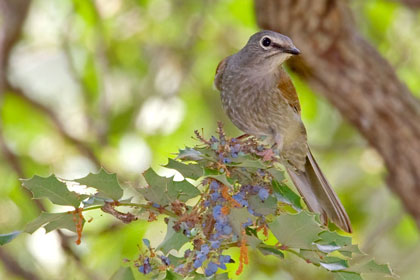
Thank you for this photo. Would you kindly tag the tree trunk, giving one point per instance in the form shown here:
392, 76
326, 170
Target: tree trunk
338, 63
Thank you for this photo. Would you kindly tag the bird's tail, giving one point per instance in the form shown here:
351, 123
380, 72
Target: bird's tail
318, 194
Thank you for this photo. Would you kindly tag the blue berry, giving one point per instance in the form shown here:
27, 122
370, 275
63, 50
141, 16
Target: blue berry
226, 160
205, 249
215, 244
211, 269
237, 148
165, 260
223, 259
215, 196
156, 205
217, 211
197, 263
227, 229
214, 185
263, 194
146, 267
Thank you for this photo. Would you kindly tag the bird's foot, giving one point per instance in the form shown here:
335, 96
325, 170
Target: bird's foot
267, 154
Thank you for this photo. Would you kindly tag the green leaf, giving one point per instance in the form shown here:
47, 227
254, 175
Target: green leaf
270, 250
52, 221
286, 195
164, 190
106, 183
329, 237
52, 189
334, 263
266, 207
277, 174
312, 256
193, 171
182, 190
332, 241
237, 217
221, 178
173, 239
66, 221
189, 154
124, 273
349, 250
372, 267
173, 276
296, 231
247, 162
7, 237
341, 275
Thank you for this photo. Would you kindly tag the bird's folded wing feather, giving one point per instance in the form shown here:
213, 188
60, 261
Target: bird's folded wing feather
288, 91
219, 74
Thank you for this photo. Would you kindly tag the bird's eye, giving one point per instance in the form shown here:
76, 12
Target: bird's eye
266, 42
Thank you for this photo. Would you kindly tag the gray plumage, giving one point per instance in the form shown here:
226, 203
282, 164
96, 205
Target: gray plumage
260, 99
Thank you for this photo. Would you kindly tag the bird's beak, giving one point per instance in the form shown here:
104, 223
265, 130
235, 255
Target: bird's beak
293, 50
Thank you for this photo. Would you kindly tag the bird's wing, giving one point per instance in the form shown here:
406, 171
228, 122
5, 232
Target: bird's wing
288, 91
219, 73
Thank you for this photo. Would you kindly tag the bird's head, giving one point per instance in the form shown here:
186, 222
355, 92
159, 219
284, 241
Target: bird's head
269, 48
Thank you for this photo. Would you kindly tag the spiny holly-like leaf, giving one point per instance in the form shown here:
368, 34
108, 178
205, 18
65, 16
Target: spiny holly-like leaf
271, 250
106, 184
52, 189
286, 195
124, 273
193, 171
173, 239
164, 190
372, 267
266, 207
58, 220
341, 275
7, 237
296, 231
334, 263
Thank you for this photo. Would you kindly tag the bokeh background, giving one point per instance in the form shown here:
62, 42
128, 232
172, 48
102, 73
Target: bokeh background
124, 83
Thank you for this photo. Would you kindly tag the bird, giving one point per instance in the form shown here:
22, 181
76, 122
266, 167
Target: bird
260, 99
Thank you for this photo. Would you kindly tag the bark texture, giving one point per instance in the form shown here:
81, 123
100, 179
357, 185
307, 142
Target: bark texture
338, 63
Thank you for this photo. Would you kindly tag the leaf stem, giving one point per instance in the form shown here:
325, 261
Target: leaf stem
144, 206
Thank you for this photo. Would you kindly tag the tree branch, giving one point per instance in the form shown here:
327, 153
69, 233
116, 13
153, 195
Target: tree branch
14, 268
80, 145
357, 80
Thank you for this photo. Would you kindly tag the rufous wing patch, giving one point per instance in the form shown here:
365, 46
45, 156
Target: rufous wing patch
288, 91
219, 73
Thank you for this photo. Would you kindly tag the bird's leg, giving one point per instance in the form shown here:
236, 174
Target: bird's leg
279, 142
275, 149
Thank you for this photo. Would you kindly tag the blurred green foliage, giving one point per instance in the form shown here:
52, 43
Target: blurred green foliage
132, 79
